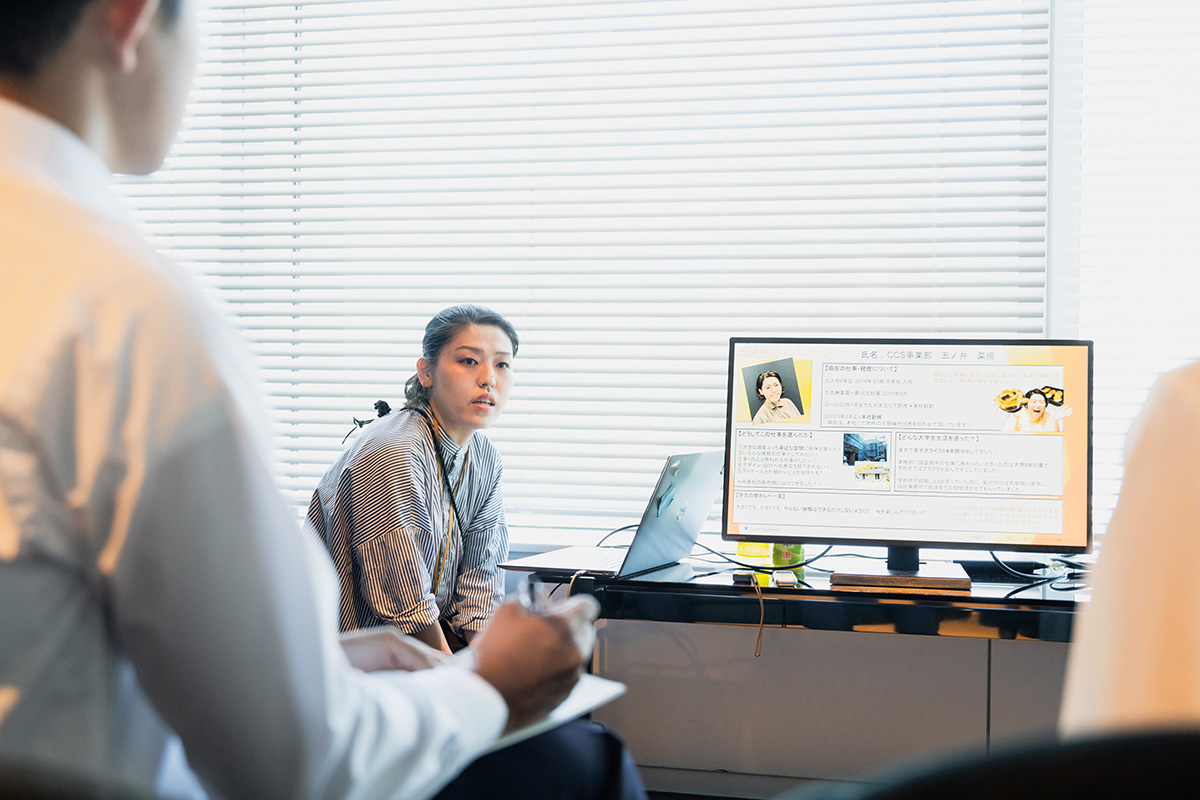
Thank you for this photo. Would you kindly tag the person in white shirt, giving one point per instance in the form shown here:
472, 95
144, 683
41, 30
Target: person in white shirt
1135, 652
154, 587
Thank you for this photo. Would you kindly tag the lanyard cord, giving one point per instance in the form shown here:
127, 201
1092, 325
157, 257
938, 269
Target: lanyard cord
435, 431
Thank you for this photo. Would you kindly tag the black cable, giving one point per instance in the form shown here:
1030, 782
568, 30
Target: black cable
821, 554
1075, 582
1072, 563
1025, 576
1074, 579
763, 567
613, 532
1032, 585
845, 555
848, 555
707, 559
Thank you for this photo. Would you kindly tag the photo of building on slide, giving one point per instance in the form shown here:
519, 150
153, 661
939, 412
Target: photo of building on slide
867, 455
1036, 411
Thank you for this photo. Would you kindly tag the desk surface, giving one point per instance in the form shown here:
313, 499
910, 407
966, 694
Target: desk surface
701, 591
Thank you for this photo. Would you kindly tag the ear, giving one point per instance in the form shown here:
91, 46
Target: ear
125, 23
424, 372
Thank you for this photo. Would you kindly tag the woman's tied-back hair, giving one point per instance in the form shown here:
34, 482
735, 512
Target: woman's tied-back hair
445, 325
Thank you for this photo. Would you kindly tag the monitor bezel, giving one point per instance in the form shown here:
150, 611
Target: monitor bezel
850, 542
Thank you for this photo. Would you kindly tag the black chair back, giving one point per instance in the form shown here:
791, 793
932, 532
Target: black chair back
1162, 764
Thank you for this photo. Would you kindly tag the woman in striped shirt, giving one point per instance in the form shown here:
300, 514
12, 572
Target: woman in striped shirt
412, 511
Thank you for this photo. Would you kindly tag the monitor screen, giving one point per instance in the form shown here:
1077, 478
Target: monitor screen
973, 444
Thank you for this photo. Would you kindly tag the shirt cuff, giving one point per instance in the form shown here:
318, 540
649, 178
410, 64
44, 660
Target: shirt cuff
476, 624
464, 695
421, 616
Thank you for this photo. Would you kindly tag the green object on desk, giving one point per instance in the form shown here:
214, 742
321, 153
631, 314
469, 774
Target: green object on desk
784, 553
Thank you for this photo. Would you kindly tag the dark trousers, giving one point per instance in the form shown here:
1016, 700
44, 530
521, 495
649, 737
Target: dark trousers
581, 760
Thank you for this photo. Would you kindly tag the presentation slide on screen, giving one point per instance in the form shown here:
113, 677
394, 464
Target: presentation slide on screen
946, 442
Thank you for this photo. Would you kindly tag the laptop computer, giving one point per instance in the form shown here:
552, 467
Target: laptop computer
670, 526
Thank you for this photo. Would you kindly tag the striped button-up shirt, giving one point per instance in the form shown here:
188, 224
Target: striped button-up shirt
384, 514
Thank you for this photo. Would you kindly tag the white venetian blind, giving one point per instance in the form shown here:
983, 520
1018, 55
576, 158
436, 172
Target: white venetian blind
1140, 210
630, 182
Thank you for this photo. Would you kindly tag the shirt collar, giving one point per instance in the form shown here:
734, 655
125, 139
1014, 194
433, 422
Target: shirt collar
43, 150
450, 448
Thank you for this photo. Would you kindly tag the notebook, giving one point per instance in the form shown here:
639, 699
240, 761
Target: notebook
670, 526
589, 693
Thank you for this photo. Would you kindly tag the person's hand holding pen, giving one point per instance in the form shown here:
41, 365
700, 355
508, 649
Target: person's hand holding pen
534, 651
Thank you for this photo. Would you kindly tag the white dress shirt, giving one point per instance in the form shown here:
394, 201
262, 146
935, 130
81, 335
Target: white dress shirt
1135, 660
152, 580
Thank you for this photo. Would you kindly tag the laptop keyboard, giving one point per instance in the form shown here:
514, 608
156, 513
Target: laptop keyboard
609, 559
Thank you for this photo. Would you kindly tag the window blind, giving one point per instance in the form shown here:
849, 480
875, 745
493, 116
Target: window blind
631, 183
1139, 172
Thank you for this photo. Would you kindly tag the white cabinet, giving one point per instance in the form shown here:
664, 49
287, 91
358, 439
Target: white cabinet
817, 704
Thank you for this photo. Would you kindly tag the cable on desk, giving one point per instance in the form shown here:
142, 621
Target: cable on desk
764, 567
571, 584
1070, 562
845, 555
1031, 585
1025, 576
1073, 578
762, 618
1071, 582
614, 532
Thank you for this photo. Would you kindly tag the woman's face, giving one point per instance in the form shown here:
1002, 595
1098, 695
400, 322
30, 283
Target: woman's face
1036, 405
772, 389
469, 384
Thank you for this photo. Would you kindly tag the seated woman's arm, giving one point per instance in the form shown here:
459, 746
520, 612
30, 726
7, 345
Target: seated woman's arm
386, 648
479, 588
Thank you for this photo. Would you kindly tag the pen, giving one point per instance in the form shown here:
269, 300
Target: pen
531, 593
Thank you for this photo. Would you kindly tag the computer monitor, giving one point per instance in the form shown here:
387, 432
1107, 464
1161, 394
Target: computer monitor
909, 443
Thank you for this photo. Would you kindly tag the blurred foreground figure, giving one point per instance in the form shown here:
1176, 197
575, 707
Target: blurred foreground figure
154, 587
1135, 660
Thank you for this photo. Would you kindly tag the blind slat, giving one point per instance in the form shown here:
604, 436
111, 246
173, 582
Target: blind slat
631, 183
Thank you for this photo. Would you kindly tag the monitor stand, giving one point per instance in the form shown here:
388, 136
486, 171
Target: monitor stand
904, 571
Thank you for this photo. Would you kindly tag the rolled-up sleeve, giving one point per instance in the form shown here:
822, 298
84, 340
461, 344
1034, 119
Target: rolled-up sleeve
480, 587
385, 504
395, 581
